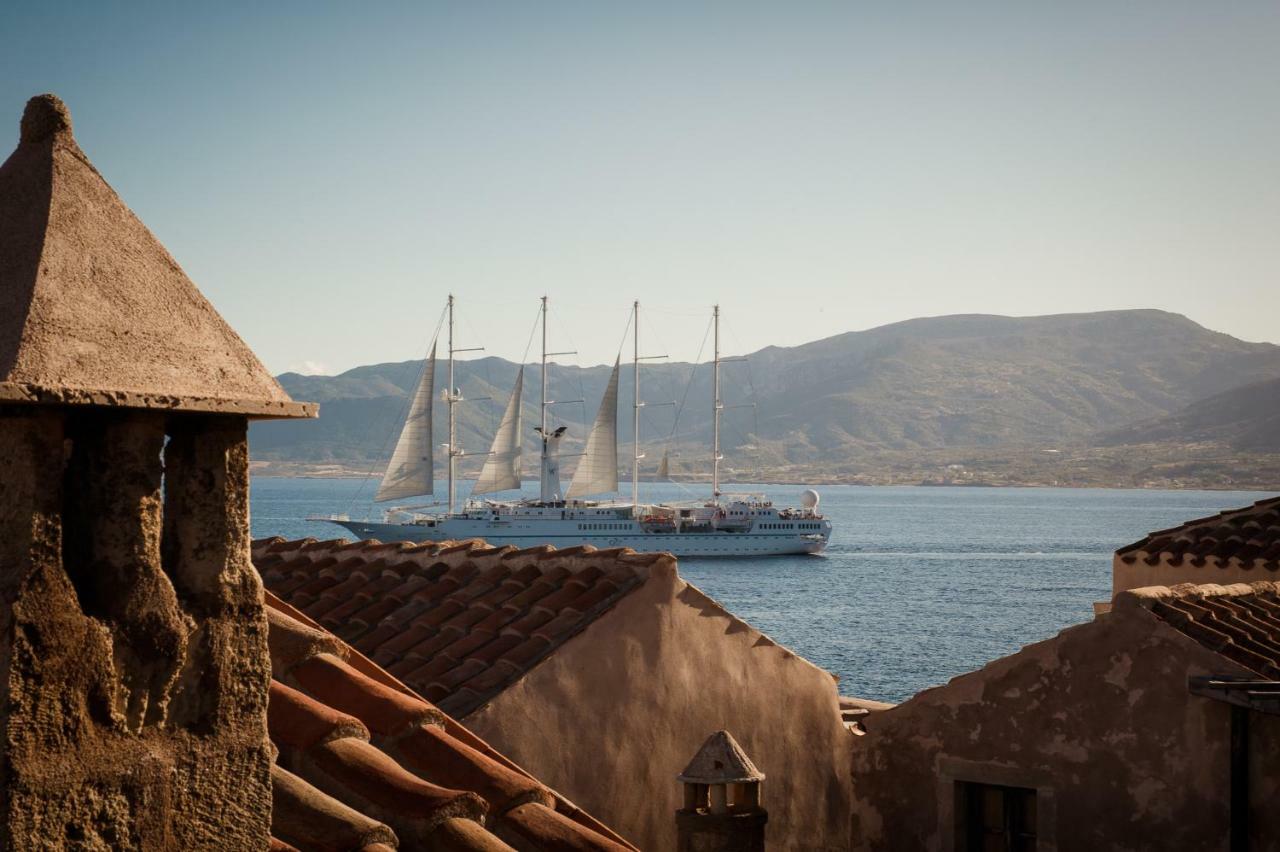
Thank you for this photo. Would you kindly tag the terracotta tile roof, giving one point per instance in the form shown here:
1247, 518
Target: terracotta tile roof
1240, 621
457, 623
363, 763
1248, 537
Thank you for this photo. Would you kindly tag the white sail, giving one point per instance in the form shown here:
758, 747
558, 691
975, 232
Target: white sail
664, 468
501, 471
598, 470
410, 472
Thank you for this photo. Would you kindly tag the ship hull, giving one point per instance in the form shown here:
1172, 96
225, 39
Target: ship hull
720, 543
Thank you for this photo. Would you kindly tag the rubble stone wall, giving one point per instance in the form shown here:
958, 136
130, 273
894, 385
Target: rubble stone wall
132, 635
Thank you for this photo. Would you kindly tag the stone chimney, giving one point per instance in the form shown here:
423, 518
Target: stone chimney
722, 810
132, 634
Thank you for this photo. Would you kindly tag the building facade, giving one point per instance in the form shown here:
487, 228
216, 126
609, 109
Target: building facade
1093, 739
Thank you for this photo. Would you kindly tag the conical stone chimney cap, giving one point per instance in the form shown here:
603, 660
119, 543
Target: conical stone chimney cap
93, 309
720, 761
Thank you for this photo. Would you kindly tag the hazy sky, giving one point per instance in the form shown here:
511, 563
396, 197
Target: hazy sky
327, 173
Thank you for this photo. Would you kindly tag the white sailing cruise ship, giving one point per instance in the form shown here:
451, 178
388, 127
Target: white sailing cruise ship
724, 525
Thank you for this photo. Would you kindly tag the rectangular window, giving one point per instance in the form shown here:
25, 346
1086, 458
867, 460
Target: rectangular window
991, 818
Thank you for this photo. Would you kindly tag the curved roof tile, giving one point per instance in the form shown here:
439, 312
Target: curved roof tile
457, 622
1249, 536
365, 764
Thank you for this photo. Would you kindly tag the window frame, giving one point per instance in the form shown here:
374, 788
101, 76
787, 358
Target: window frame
952, 772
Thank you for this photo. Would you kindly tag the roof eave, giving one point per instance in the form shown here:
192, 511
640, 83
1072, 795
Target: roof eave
255, 409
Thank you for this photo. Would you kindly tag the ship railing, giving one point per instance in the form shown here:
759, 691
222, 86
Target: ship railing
317, 516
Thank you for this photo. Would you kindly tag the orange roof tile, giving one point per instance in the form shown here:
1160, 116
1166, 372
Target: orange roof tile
1249, 536
1240, 621
363, 763
458, 623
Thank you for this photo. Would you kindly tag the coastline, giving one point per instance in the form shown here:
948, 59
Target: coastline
1083, 469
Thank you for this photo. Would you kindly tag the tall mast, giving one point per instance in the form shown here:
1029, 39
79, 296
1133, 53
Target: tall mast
716, 408
451, 400
635, 434
544, 369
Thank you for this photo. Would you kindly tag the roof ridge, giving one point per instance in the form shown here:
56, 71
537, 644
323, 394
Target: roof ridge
1186, 526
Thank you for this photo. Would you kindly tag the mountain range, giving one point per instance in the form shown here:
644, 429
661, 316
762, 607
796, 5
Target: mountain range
931, 389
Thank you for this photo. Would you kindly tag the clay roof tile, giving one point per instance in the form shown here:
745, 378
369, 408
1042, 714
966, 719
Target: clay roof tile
463, 835
309, 819
299, 722
388, 791
383, 710
457, 764
560, 626
1248, 535
460, 627
561, 597
536, 826
461, 673
399, 646
423, 781
1241, 621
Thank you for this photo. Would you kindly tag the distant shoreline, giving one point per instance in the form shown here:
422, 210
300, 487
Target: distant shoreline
303, 470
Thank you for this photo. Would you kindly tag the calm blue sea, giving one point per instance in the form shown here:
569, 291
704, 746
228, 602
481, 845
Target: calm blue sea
919, 584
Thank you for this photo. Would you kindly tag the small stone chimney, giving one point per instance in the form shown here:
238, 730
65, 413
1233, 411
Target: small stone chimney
722, 810
132, 633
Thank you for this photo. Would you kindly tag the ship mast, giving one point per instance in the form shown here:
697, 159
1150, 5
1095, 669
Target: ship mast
451, 398
550, 442
636, 455
717, 407
543, 425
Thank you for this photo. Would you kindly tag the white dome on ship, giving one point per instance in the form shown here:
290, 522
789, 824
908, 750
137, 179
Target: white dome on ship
809, 498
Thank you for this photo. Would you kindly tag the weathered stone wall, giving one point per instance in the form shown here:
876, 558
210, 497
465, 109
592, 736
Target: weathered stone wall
612, 717
132, 635
1098, 720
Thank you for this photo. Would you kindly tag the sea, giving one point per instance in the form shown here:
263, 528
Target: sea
918, 585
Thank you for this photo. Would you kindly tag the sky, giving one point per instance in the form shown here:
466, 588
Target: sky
327, 173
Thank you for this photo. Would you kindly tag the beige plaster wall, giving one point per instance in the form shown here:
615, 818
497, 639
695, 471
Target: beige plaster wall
1139, 574
611, 717
1097, 719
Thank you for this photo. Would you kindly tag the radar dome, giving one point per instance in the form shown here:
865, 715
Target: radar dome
809, 498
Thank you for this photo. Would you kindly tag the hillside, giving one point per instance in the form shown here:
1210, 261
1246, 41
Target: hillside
917, 388
1244, 418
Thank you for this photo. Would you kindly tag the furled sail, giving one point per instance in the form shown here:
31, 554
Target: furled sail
501, 471
598, 470
664, 467
410, 472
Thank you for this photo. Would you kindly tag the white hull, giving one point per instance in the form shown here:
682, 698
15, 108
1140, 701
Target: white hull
565, 534
737, 526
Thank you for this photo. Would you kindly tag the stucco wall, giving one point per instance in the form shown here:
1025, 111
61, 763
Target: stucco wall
1097, 719
1138, 574
611, 717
